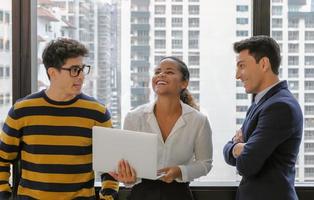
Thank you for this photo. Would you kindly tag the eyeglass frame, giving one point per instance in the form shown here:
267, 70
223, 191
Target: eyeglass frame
80, 69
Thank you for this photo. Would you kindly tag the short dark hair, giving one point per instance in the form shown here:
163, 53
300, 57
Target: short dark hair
261, 46
58, 51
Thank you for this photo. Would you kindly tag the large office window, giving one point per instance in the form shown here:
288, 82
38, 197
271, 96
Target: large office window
123, 56
298, 68
5, 59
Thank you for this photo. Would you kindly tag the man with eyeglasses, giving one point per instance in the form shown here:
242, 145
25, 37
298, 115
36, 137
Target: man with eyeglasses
51, 130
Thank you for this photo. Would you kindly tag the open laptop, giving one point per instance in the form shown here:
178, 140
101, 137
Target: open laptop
138, 148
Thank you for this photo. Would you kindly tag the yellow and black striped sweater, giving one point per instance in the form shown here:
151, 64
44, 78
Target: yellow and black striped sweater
55, 144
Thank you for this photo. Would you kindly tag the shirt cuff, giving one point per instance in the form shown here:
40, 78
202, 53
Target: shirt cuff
184, 173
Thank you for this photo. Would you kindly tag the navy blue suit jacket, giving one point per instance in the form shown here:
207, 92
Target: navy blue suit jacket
272, 133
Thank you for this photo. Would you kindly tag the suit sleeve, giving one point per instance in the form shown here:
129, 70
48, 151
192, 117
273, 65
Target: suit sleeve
227, 152
109, 186
276, 123
9, 148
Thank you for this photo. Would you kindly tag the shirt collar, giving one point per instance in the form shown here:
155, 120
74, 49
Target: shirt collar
185, 108
260, 95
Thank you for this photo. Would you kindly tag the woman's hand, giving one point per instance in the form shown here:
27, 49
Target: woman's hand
126, 174
171, 173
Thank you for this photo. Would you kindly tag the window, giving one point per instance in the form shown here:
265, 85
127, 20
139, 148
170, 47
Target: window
160, 34
309, 110
293, 35
309, 35
309, 21
7, 45
1, 44
242, 33
193, 44
1, 99
309, 72
177, 9
276, 10
194, 9
309, 60
176, 22
309, 159
309, 85
276, 23
242, 21
309, 97
242, 8
177, 34
239, 83
7, 18
157, 59
193, 39
293, 23
194, 85
277, 35
241, 108
293, 85
309, 48
8, 99
309, 172
193, 22
1, 71
7, 71
160, 9
177, 44
293, 73
293, 48
160, 22
308, 122
239, 121
160, 44
194, 60
308, 135
293, 60
242, 96
194, 73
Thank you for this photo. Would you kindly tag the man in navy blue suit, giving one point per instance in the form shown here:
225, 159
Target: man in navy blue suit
265, 149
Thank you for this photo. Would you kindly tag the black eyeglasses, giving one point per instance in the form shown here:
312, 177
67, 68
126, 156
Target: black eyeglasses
75, 70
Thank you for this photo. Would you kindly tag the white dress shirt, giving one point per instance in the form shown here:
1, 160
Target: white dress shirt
189, 144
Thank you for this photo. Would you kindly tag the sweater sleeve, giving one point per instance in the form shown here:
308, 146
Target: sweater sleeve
9, 148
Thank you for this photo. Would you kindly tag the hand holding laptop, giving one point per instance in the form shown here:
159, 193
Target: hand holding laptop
126, 174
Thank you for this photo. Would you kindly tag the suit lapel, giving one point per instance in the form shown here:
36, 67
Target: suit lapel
250, 121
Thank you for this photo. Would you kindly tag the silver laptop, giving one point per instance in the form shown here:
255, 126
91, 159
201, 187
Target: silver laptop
138, 148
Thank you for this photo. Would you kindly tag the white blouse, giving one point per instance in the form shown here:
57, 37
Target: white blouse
189, 144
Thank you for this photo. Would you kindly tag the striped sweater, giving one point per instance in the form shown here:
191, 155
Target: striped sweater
54, 140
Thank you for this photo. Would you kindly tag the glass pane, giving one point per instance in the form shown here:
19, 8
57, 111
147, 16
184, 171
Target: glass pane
6, 59
296, 36
127, 39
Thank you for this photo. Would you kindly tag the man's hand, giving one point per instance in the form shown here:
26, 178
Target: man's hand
237, 149
126, 174
171, 173
238, 137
